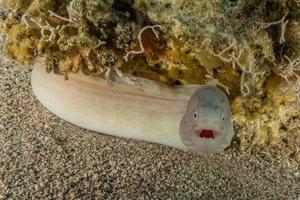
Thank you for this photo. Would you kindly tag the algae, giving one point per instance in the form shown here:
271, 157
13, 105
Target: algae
252, 47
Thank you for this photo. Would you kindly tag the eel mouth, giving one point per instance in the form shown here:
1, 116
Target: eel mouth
207, 133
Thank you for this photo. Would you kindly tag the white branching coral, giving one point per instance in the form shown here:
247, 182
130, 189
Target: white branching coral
244, 88
24, 20
44, 28
100, 43
60, 17
283, 24
228, 59
47, 27
290, 73
229, 55
140, 41
73, 13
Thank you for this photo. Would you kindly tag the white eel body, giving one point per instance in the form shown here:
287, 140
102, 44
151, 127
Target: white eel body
190, 117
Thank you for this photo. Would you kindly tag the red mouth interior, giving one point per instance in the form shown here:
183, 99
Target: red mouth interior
204, 133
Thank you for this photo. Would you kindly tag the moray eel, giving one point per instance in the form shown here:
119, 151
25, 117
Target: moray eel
190, 117
206, 126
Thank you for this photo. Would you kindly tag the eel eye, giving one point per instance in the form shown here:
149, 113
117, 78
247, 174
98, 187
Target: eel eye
195, 115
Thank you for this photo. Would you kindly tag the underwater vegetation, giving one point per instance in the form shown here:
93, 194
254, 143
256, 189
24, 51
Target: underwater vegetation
252, 47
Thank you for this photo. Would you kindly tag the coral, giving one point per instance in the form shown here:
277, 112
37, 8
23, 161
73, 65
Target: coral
21, 45
293, 38
19, 4
252, 47
142, 49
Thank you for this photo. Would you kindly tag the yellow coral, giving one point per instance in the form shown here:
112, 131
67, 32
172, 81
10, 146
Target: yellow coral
22, 43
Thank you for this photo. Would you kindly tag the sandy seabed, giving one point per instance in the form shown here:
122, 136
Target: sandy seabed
44, 157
